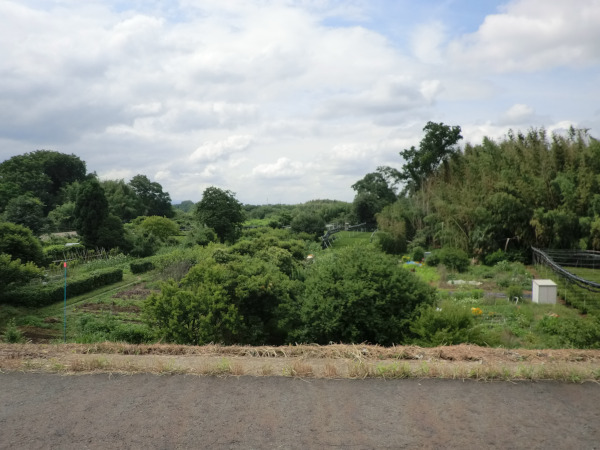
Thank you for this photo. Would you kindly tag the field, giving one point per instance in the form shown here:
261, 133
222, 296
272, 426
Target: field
495, 300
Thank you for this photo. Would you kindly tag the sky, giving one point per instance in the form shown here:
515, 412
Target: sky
285, 101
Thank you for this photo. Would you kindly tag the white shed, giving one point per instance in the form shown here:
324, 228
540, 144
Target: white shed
543, 291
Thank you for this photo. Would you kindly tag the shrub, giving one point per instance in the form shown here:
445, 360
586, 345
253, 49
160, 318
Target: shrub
12, 334
36, 295
449, 324
513, 292
453, 258
572, 332
391, 244
141, 266
433, 259
358, 294
418, 254
493, 258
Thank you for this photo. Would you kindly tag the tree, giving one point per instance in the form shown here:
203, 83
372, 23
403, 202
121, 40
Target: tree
43, 174
436, 147
373, 193
224, 298
14, 273
155, 201
308, 223
123, 201
358, 294
26, 210
220, 210
20, 243
91, 212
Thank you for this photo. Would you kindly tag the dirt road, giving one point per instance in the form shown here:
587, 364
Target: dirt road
178, 411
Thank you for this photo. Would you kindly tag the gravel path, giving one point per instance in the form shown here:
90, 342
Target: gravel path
175, 411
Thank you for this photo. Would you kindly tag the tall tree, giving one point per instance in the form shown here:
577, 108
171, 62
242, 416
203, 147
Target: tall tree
155, 201
221, 211
91, 210
436, 147
42, 173
26, 210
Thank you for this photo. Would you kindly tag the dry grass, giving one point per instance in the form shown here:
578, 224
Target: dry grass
307, 361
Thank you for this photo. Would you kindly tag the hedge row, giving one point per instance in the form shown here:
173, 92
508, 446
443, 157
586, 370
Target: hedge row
141, 266
39, 295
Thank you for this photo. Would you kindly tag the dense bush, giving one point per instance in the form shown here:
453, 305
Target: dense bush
393, 245
141, 266
418, 254
448, 324
40, 295
572, 332
452, 258
358, 294
227, 298
108, 328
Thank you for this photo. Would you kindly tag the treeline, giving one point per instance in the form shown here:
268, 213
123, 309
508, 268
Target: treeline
498, 196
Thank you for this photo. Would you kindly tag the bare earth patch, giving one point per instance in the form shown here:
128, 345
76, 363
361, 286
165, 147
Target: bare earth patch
307, 361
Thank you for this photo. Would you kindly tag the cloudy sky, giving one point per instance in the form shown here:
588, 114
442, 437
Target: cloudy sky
284, 101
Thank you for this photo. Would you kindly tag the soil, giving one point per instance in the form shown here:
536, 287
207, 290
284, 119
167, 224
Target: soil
111, 307
175, 411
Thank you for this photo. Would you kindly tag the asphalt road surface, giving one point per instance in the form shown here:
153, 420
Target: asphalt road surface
175, 411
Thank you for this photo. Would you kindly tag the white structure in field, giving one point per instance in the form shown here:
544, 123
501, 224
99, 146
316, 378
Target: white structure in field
543, 291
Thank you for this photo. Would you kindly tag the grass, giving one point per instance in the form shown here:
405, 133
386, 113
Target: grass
351, 238
333, 361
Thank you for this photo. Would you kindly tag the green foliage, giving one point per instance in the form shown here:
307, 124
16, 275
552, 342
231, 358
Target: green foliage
41, 295
201, 235
373, 193
154, 201
123, 201
220, 210
12, 335
20, 243
42, 174
418, 254
91, 210
233, 301
514, 292
108, 328
493, 258
572, 332
141, 266
13, 273
310, 223
26, 210
455, 259
449, 324
186, 206
358, 294
436, 147
390, 244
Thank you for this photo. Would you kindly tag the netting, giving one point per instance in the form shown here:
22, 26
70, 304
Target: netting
577, 274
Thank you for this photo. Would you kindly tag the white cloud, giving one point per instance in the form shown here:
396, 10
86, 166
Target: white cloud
518, 114
532, 35
299, 98
283, 168
215, 150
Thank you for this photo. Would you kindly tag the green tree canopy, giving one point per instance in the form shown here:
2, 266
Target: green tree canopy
20, 243
26, 210
357, 294
155, 201
436, 147
42, 173
123, 201
221, 211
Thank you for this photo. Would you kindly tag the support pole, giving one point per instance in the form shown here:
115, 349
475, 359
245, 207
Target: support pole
65, 308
